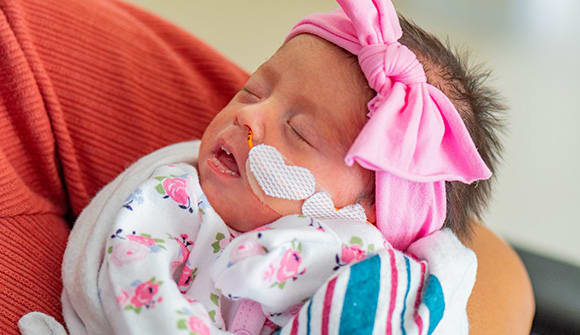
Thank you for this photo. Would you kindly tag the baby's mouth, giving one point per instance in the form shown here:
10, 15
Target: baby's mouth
225, 162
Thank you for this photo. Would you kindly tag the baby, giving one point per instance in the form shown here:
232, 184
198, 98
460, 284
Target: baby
245, 257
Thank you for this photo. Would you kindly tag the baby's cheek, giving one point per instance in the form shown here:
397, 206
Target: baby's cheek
348, 185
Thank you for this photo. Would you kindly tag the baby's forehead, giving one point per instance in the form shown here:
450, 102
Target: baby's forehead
328, 77
334, 67
308, 46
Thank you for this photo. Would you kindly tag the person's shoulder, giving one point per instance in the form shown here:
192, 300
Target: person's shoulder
502, 299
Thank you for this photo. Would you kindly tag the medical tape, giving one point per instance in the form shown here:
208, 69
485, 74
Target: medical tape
281, 186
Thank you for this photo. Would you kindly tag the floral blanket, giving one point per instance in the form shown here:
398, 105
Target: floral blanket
149, 255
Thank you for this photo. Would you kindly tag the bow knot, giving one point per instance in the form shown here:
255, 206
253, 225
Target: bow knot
383, 63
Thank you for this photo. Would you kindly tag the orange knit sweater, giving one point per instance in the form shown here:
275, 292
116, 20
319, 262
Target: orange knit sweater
86, 88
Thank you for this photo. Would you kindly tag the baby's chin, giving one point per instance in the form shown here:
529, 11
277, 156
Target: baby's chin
240, 209
242, 221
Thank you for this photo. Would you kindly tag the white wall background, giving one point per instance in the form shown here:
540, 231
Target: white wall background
533, 46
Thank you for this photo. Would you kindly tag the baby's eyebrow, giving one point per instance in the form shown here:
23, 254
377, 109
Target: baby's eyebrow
267, 72
309, 106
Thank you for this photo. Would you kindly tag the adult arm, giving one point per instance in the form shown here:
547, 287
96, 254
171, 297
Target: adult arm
502, 300
86, 88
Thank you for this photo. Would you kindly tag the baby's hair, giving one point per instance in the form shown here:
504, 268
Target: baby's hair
481, 109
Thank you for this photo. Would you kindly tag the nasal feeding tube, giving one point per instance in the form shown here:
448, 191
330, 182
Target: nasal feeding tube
289, 189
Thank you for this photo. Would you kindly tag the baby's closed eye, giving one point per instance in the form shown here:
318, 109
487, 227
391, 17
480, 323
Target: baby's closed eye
246, 96
298, 132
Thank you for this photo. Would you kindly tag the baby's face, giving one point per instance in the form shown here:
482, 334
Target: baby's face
308, 101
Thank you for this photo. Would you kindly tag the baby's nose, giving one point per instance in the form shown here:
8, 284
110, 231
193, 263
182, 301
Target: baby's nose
254, 119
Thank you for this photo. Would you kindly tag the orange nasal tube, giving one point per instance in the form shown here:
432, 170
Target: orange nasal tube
250, 136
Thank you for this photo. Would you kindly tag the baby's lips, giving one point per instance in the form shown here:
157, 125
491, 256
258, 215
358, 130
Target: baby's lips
236, 146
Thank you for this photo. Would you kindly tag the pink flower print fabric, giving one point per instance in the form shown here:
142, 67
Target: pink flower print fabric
197, 326
132, 247
289, 265
172, 264
282, 264
175, 189
127, 252
244, 249
356, 250
158, 256
179, 189
192, 324
140, 239
351, 253
144, 295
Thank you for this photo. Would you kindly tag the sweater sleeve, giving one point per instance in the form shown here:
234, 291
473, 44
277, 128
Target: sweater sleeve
86, 88
33, 204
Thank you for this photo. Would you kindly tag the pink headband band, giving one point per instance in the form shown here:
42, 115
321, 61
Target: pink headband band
415, 139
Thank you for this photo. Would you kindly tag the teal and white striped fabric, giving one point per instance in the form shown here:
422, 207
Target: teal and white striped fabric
423, 291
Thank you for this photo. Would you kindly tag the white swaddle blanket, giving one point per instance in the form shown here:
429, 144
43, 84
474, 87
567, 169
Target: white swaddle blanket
412, 296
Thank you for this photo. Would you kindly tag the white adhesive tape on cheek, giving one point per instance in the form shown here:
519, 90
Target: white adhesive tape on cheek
276, 178
280, 206
281, 186
321, 206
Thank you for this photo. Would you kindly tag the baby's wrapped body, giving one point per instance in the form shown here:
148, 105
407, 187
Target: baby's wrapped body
171, 265
167, 230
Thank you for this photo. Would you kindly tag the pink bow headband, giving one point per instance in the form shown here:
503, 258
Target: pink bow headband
415, 139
